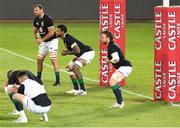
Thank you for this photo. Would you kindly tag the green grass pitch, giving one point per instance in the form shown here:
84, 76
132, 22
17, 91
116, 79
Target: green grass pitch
93, 109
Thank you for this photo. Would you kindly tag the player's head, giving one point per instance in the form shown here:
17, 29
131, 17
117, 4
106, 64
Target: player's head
106, 37
61, 30
22, 76
9, 73
38, 10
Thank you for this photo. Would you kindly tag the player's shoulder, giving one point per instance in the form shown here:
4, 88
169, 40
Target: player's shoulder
68, 37
36, 18
113, 46
47, 17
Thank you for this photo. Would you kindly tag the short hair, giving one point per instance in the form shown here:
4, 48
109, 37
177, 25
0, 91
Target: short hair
108, 34
38, 5
9, 73
21, 73
62, 27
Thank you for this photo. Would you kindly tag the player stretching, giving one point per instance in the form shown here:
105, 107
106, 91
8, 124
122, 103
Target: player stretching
122, 66
48, 42
84, 55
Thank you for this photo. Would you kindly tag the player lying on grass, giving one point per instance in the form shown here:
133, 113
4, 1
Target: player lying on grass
13, 81
123, 67
31, 94
84, 55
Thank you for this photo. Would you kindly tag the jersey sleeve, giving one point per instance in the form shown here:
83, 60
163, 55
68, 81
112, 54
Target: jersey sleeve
49, 22
112, 49
21, 89
34, 23
69, 41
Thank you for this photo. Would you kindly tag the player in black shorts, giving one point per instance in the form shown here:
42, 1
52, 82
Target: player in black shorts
83, 56
123, 67
46, 38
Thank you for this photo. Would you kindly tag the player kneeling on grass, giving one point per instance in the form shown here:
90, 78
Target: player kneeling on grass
13, 82
32, 95
84, 55
119, 62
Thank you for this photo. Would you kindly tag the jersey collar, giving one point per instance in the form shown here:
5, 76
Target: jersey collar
42, 16
65, 34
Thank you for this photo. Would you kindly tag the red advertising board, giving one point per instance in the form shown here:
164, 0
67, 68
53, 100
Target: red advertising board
167, 54
112, 18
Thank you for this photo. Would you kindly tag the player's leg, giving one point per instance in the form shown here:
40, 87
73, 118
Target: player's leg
78, 64
16, 100
73, 77
53, 48
31, 106
40, 59
117, 77
19, 107
55, 64
83, 60
113, 82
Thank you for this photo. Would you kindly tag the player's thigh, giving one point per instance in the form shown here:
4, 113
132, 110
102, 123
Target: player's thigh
70, 64
53, 45
53, 49
125, 70
116, 78
43, 50
19, 97
87, 57
32, 107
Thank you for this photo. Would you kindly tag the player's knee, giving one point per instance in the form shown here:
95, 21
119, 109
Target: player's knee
40, 61
112, 82
75, 67
53, 61
77, 64
15, 96
41, 57
53, 56
71, 73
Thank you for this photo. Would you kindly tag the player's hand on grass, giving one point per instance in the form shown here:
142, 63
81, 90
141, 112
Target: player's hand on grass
64, 52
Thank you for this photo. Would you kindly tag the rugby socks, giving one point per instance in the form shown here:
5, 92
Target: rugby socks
117, 93
57, 74
13, 100
75, 83
39, 75
18, 105
81, 83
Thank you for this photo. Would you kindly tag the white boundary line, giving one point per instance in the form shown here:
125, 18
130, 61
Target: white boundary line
62, 70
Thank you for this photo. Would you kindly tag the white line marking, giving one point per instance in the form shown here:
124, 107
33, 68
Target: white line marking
96, 81
175, 105
62, 70
32, 60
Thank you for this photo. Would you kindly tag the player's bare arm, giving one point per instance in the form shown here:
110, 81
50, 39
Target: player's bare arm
35, 31
76, 50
